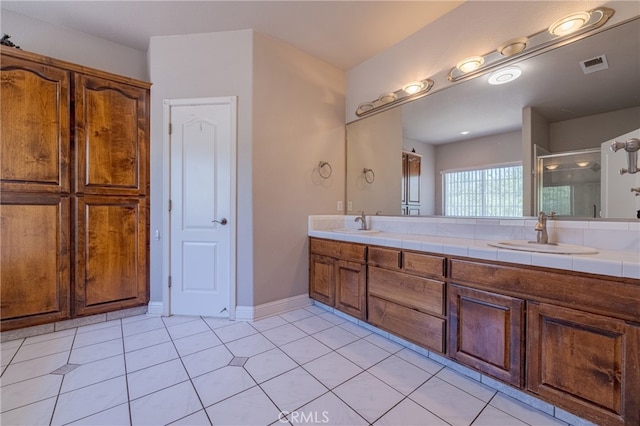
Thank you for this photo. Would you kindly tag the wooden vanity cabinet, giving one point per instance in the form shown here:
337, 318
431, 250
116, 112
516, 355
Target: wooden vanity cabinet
338, 275
486, 332
588, 363
406, 295
74, 170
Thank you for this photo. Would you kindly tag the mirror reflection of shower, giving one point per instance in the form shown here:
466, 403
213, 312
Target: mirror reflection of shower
569, 183
631, 146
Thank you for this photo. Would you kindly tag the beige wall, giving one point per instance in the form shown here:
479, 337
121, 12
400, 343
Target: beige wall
298, 121
480, 152
41, 37
375, 143
215, 64
590, 132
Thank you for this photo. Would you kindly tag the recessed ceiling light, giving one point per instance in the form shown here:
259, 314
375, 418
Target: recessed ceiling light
569, 24
466, 132
505, 75
470, 64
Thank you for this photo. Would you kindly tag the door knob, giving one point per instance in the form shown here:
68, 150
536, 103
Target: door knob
223, 221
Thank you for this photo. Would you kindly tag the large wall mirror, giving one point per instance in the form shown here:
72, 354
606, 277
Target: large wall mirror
556, 121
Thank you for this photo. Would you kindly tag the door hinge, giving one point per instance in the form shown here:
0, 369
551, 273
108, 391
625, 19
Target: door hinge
169, 281
170, 205
170, 128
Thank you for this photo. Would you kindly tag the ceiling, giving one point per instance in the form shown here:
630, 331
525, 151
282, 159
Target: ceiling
342, 33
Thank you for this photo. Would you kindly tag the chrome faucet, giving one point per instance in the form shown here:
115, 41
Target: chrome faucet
363, 221
541, 228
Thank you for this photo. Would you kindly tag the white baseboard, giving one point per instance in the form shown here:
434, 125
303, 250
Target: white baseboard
254, 313
155, 308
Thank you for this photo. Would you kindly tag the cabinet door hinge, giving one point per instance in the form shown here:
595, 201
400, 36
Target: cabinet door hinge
170, 205
170, 128
169, 281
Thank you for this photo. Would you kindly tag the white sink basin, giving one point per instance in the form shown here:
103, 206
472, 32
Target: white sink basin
556, 248
355, 231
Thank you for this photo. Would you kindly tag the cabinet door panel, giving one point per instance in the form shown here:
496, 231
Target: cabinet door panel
351, 288
413, 179
322, 278
486, 332
34, 260
34, 102
583, 361
111, 254
111, 134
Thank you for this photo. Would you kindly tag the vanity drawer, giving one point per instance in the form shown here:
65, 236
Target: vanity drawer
338, 249
409, 324
385, 257
413, 292
423, 264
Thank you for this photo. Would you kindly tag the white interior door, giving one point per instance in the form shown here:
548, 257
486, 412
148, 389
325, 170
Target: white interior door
618, 201
202, 141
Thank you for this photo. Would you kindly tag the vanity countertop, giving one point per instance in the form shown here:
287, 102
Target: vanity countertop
605, 262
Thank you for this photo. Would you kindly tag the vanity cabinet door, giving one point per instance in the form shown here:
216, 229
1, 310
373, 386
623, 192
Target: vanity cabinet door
322, 274
587, 363
351, 288
486, 332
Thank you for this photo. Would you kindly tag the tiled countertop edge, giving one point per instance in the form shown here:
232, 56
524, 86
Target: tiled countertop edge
606, 262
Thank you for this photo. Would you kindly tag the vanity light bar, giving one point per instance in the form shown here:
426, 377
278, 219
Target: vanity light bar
564, 30
409, 91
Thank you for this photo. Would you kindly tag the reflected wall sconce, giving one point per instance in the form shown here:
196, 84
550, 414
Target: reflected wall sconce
369, 175
560, 31
409, 91
324, 170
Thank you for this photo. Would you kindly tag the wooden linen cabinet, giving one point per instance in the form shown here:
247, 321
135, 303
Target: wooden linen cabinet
74, 190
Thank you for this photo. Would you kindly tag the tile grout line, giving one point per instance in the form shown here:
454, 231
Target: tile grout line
55, 405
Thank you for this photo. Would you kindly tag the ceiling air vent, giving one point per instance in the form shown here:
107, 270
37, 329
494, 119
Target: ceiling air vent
598, 63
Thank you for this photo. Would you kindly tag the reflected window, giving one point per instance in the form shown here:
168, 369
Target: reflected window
495, 191
557, 199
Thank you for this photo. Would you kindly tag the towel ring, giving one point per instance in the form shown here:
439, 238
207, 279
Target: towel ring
369, 176
321, 170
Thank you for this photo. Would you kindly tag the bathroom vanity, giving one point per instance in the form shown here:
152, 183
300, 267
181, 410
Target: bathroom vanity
567, 337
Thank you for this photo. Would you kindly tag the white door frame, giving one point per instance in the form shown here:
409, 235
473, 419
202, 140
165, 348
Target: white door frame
166, 195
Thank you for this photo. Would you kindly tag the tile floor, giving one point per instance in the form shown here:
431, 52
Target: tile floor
307, 366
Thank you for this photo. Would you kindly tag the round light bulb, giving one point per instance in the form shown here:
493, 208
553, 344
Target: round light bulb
385, 98
569, 24
470, 64
413, 87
